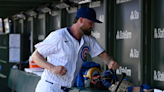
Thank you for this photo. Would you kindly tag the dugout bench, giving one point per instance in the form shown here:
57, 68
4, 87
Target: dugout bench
21, 81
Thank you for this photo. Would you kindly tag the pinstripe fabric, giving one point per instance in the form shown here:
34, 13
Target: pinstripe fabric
61, 48
44, 86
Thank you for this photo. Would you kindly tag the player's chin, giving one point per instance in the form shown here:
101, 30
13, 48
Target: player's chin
88, 33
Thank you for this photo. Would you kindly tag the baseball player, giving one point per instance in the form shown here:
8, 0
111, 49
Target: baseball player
65, 50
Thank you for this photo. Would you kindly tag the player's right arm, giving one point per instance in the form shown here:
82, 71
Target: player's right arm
41, 61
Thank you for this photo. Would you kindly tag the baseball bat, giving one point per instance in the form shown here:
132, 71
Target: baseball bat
122, 77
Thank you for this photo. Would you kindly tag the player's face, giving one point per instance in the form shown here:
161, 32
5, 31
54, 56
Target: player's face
87, 26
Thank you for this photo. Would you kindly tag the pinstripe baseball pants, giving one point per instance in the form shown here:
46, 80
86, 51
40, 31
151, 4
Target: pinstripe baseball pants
44, 86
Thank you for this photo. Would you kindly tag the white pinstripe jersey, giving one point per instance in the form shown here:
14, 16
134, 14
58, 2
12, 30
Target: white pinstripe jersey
61, 48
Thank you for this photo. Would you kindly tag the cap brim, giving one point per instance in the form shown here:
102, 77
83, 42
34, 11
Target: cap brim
97, 21
94, 20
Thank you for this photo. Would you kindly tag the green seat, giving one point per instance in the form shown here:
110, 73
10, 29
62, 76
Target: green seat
31, 83
20, 80
11, 79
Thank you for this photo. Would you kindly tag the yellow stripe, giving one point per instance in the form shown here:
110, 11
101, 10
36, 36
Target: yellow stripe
91, 70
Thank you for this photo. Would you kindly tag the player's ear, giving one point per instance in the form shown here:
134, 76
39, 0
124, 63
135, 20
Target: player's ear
81, 19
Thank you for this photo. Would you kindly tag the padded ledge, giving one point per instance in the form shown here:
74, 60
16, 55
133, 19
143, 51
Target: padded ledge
83, 89
21, 81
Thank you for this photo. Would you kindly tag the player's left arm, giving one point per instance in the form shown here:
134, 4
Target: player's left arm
109, 61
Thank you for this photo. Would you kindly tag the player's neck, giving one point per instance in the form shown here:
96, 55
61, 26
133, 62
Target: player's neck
76, 32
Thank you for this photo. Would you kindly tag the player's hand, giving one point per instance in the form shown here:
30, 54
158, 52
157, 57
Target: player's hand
61, 70
113, 65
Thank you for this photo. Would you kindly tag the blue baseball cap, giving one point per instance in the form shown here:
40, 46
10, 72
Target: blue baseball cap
89, 13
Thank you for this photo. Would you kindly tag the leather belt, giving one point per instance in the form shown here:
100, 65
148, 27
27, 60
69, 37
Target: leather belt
65, 89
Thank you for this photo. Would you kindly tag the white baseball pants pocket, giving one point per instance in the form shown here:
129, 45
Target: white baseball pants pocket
44, 86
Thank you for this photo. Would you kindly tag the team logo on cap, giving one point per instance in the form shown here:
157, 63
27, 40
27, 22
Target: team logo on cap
84, 51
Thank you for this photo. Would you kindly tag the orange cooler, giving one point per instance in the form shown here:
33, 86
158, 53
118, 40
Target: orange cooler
32, 64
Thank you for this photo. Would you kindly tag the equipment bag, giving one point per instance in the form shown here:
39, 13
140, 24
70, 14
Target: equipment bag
79, 81
104, 80
97, 83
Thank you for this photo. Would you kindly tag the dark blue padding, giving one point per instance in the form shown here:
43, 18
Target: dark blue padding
106, 73
143, 86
